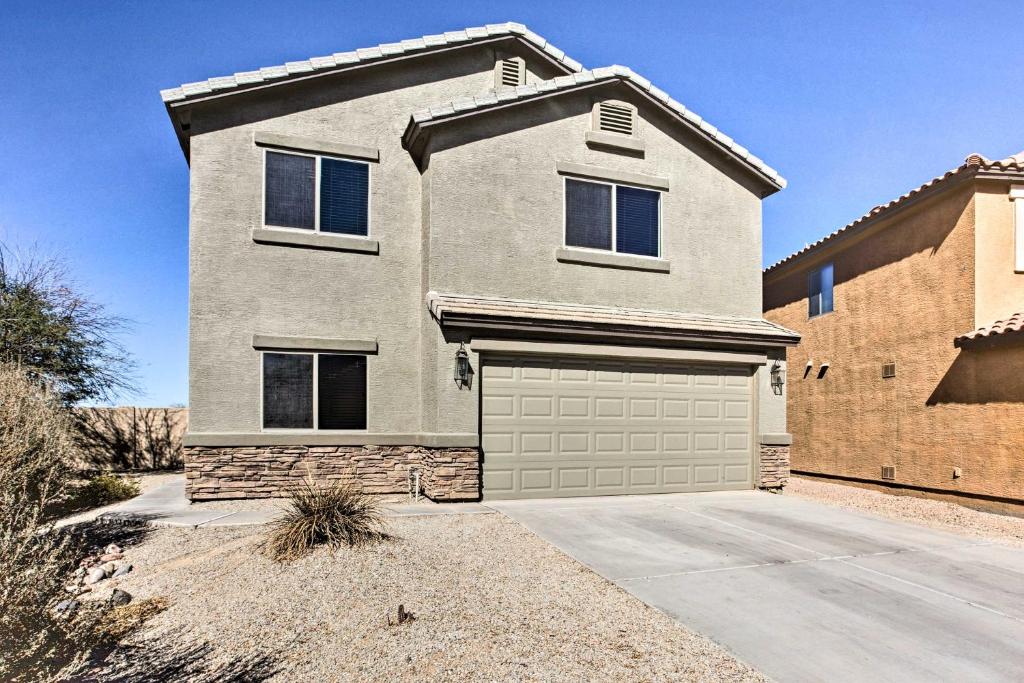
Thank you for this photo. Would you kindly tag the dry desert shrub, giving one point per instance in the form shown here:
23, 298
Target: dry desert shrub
333, 514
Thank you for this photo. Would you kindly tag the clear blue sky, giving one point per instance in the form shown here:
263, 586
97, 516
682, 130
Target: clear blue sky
853, 102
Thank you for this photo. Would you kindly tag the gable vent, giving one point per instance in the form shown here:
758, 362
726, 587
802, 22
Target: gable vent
510, 72
614, 117
888, 370
888, 472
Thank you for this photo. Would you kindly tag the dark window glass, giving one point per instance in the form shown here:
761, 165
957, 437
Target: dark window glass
636, 221
341, 389
819, 298
344, 194
290, 185
588, 215
287, 391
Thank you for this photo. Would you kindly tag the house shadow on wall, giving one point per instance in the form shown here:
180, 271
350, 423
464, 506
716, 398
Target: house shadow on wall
991, 371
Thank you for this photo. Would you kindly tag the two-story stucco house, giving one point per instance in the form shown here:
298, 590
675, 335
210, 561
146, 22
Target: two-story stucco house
910, 374
465, 256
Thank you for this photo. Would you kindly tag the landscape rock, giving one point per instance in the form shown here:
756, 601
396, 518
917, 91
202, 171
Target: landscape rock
122, 570
113, 548
110, 557
66, 606
95, 575
109, 568
120, 597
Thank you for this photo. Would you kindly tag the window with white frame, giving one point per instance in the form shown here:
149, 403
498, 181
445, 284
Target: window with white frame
1017, 197
314, 391
612, 217
819, 291
316, 192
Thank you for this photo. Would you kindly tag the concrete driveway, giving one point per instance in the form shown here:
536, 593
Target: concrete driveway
804, 591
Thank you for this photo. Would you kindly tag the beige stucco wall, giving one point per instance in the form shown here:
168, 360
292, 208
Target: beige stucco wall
483, 218
999, 289
503, 241
903, 292
238, 287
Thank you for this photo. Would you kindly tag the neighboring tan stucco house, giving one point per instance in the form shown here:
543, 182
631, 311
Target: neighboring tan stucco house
910, 372
467, 258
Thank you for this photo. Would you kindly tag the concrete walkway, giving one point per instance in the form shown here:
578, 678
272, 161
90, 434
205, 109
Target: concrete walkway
801, 590
166, 506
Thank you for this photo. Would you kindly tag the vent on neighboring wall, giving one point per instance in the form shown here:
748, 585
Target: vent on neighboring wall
615, 117
888, 472
509, 73
888, 370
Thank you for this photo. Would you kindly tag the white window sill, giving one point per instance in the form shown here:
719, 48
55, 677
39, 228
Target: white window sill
612, 260
315, 240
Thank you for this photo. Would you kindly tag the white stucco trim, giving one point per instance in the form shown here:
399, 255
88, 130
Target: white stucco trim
315, 438
612, 174
600, 140
315, 240
314, 146
271, 342
610, 259
625, 352
1017, 197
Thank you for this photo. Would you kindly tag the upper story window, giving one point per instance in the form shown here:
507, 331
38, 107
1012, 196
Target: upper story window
612, 217
615, 117
819, 295
315, 192
314, 391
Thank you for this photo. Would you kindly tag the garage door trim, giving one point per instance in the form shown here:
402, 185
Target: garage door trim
505, 346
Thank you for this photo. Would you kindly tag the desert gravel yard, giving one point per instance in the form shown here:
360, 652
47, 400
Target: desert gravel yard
491, 600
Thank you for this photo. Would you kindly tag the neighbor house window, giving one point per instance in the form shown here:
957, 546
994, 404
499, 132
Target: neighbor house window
313, 192
612, 217
820, 291
314, 391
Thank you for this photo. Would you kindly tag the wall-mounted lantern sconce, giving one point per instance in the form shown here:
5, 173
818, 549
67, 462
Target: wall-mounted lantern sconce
463, 373
778, 378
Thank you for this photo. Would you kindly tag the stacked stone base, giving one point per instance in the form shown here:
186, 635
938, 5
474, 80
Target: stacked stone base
446, 474
774, 467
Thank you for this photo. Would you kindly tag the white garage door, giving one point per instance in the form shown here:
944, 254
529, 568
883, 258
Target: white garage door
578, 427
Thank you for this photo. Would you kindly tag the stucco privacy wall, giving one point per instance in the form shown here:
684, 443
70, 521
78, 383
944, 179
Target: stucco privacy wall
999, 289
239, 288
711, 229
902, 292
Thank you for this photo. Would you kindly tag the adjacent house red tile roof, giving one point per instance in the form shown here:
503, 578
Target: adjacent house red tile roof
974, 163
1012, 325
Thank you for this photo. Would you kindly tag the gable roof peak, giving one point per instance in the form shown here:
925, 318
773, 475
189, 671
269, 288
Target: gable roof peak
464, 106
340, 60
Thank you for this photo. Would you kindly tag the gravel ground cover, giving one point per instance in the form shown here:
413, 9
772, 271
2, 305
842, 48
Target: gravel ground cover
491, 602
934, 513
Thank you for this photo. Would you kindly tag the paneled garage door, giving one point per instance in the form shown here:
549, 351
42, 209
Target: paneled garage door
577, 427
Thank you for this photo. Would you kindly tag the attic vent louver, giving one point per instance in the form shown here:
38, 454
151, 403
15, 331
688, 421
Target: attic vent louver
888, 472
510, 72
615, 117
888, 370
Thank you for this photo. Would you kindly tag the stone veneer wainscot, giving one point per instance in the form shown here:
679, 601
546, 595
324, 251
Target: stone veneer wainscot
446, 474
774, 467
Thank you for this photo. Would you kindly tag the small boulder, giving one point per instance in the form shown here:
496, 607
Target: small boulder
66, 606
110, 557
109, 568
80, 572
95, 575
113, 548
122, 570
120, 597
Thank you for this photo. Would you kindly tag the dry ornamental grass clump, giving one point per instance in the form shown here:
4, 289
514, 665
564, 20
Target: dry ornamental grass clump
334, 514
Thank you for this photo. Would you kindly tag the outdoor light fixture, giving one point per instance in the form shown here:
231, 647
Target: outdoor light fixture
778, 378
462, 370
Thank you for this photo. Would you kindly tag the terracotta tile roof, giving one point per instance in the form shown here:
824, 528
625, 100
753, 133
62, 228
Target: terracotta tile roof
501, 97
368, 54
973, 163
1012, 325
447, 306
